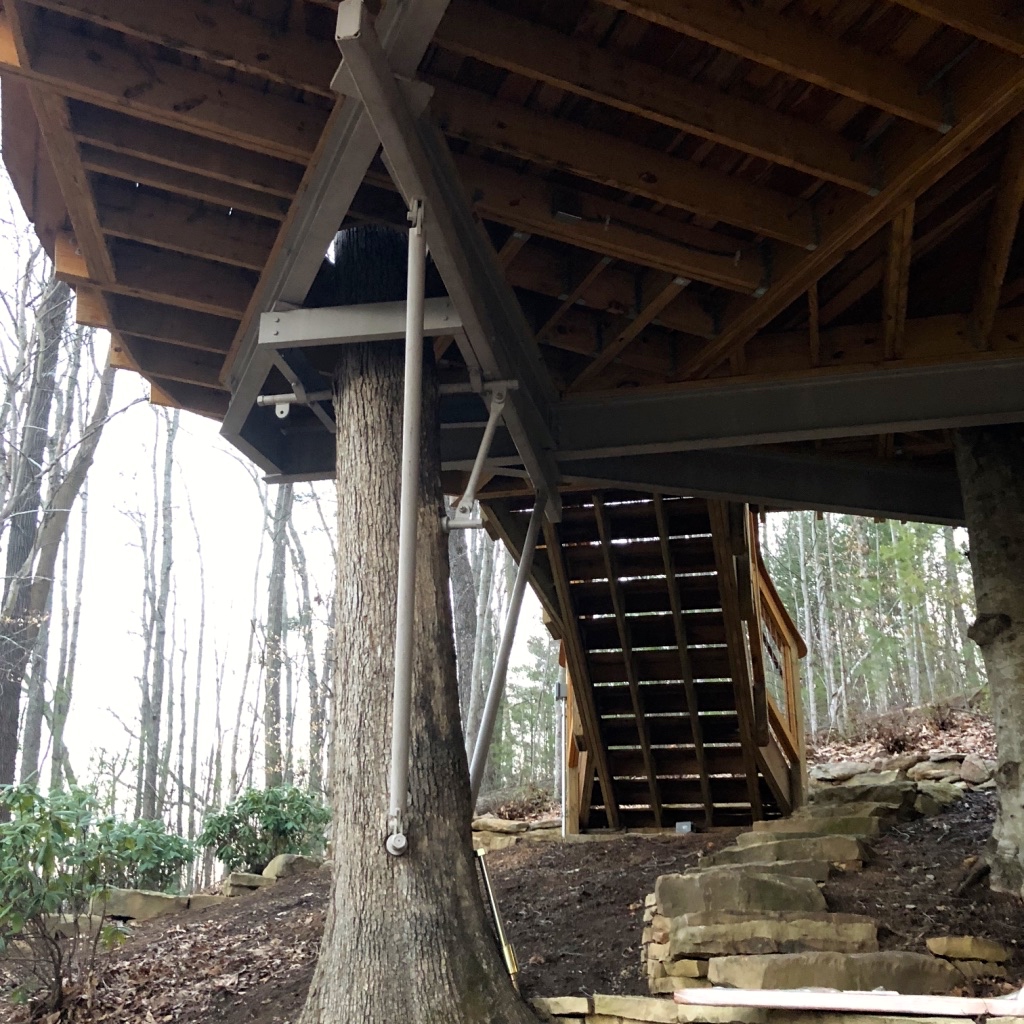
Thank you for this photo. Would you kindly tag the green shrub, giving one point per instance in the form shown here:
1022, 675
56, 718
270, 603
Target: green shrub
262, 823
56, 852
146, 855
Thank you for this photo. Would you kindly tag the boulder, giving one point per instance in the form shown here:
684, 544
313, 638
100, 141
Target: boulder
908, 973
934, 771
136, 904
818, 870
287, 865
805, 825
838, 771
726, 933
241, 883
832, 849
898, 795
660, 1011
975, 770
490, 823
562, 1006
946, 755
934, 797
967, 947
493, 841
738, 890
886, 778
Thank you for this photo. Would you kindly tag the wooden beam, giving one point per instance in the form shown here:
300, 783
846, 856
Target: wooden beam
203, 401
157, 143
474, 29
610, 160
156, 358
814, 324
795, 47
184, 226
990, 95
171, 279
217, 33
91, 309
613, 291
685, 667
611, 228
182, 327
718, 512
992, 21
625, 641
1001, 233
658, 297
170, 94
581, 676
574, 295
513, 244
183, 183
897, 281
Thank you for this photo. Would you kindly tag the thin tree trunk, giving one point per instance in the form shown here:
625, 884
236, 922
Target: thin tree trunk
434, 960
273, 764
990, 461
479, 678
464, 613
156, 697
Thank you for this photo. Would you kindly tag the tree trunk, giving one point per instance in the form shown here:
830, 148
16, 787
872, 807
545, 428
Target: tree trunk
991, 465
416, 945
464, 613
273, 764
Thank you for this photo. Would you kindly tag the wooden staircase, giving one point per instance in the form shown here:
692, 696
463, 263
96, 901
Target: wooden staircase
680, 659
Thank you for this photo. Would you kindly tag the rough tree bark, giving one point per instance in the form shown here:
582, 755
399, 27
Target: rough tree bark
415, 945
990, 461
464, 611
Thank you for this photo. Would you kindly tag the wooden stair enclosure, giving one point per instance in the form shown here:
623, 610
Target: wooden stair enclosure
681, 662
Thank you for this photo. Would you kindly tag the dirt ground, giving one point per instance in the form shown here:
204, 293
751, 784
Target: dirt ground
573, 912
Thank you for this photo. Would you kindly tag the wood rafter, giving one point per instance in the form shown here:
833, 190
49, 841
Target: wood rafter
182, 327
166, 93
625, 641
188, 227
1002, 231
476, 30
796, 48
583, 687
607, 160
685, 668
158, 359
897, 280
574, 295
660, 294
220, 35
993, 21
814, 324
992, 95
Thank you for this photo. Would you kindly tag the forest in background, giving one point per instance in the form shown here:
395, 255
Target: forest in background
216, 707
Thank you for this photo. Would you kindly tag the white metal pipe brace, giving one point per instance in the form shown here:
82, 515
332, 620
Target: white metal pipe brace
483, 737
498, 396
397, 842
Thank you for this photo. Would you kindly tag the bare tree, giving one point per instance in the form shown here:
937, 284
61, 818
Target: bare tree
273, 763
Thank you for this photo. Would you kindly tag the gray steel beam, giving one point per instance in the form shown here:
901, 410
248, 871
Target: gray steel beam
343, 156
780, 480
807, 408
499, 343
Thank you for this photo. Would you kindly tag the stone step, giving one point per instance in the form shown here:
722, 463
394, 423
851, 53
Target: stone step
911, 974
884, 809
818, 870
747, 891
726, 933
899, 794
804, 826
843, 850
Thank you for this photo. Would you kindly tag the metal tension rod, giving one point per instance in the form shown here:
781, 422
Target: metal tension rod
483, 737
396, 842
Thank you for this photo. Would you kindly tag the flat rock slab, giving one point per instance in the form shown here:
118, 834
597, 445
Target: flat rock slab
967, 947
723, 933
747, 891
907, 973
136, 904
839, 771
818, 870
490, 823
287, 865
823, 824
240, 883
832, 849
